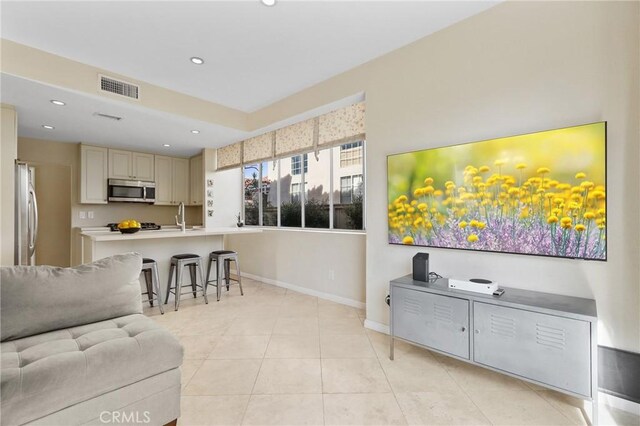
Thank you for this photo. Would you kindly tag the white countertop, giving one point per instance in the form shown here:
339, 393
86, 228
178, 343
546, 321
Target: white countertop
166, 233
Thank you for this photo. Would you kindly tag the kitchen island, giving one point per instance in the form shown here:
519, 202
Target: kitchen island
159, 245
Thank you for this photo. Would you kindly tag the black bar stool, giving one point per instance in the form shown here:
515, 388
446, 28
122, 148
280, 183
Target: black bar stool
224, 258
150, 272
179, 261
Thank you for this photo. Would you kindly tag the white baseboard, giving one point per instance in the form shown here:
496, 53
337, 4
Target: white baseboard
619, 403
603, 398
310, 292
376, 326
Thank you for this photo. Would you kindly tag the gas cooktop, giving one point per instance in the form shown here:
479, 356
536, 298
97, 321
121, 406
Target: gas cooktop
144, 226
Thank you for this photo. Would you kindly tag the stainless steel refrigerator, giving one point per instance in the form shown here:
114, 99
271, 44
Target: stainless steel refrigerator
26, 215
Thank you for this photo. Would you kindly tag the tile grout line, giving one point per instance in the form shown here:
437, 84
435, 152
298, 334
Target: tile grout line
246, 408
393, 392
446, 370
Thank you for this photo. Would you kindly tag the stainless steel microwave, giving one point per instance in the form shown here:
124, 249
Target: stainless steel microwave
132, 191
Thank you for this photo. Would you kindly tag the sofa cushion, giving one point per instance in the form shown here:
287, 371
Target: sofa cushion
36, 299
45, 373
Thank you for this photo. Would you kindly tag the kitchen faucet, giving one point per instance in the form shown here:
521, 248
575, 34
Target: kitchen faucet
180, 217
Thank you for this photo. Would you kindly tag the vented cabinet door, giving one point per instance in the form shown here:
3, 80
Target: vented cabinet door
431, 320
546, 348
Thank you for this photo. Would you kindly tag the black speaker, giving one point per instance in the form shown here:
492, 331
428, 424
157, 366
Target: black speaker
421, 267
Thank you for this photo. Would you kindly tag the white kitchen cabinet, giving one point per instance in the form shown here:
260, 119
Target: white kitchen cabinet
143, 166
93, 174
172, 180
130, 165
196, 181
180, 170
164, 185
120, 164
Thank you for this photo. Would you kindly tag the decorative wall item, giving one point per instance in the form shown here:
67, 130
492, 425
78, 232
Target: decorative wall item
210, 213
209, 193
209, 203
541, 193
209, 183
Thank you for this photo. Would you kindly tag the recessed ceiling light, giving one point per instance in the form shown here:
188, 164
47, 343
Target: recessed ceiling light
166, 145
195, 132
46, 126
197, 61
269, 2
56, 102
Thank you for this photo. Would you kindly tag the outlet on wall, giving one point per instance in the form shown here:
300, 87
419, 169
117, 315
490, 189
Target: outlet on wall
90, 215
82, 215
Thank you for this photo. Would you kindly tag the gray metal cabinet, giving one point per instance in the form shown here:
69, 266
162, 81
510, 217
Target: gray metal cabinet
545, 348
436, 321
544, 338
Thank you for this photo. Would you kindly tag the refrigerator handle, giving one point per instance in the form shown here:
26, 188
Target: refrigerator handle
33, 228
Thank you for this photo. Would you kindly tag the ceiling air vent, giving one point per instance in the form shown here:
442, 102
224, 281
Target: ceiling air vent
110, 117
119, 87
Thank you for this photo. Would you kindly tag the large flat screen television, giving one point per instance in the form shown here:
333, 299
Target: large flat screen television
541, 193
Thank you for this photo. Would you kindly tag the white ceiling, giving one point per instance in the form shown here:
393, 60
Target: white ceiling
255, 55
140, 129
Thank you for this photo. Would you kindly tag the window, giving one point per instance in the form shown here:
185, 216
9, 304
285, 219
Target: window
351, 154
345, 189
350, 188
317, 189
269, 192
296, 164
302, 193
296, 192
251, 194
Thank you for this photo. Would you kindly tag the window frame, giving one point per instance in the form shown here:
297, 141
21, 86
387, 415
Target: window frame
303, 163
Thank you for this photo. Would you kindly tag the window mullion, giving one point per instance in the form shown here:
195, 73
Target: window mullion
302, 192
331, 213
364, 186
278, 200
259, 194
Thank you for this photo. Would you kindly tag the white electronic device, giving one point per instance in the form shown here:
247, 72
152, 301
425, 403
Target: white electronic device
476, 285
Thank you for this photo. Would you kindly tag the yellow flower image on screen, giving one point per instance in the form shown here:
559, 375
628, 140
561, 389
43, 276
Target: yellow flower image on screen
541, 193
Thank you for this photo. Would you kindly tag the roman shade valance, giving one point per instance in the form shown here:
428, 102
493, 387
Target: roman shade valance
334, 128
230, 156
342, 126
295, 138
258, 148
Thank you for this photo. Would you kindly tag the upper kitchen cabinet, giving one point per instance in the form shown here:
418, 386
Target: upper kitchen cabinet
93, 174
172, 180
180, 169
130, 165
143, 166
196, 182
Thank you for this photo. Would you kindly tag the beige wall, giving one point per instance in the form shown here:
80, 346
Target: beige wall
8, 154
42, 152
53, 192
327, 264
519, 67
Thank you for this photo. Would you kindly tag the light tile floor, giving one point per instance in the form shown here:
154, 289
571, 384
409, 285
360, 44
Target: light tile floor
277, 357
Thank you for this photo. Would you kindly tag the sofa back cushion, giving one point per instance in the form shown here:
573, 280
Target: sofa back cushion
37, 299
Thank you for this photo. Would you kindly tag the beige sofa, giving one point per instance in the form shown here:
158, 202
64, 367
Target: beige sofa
77, 350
